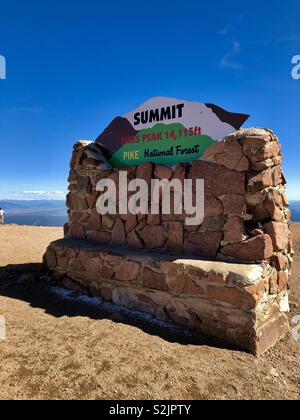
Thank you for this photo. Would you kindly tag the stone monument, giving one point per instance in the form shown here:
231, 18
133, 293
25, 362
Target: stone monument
227, 277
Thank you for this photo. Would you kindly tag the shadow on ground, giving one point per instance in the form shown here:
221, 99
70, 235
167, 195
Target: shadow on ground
28, 283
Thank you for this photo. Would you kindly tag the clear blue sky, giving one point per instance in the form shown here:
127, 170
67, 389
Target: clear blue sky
72, 66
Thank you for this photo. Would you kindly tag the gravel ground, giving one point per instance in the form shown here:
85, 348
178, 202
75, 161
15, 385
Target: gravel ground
68, 349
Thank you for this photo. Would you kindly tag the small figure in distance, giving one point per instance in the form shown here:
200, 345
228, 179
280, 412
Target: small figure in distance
1, 216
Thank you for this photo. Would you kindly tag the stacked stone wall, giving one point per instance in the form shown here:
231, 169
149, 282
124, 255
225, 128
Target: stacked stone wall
246, 209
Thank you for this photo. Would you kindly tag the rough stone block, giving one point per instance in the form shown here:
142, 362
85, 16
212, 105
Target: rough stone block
279, 233
218, 180
76, 230
153, 236
202, 243
258, 248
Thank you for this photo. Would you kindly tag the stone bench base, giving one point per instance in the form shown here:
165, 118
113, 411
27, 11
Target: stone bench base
224, 300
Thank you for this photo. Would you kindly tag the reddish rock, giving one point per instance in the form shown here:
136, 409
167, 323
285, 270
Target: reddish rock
76, 230
94, 221
183, 284
278, 177
191, 287
69, 200
75, 264
100, 237
66, 229
283, 280
203, 243
234, 230
79, 217
273, 210
128, 271
273, 288
90, 162
76, 202
72, 187
252, 145
108, 221
234, 204
190, 228
131, 169
75, 217
92, 265
270, 150
216, 277
290, 243
277, 160
141, 225
106, 293
130, 223
154, 220
229, 295
72, 176
288, 215
258, 248
107, 272
279, 232
212, 206
259, 213
214, 150
243, 165
154, 280
50, 258
175, 237
256, 232
229, 154
218, 180
176, 284
256, 142
133, 240
260, 181
84, 184
280, 262
180, 172
72, 285
118, 236
145, 171
74, 160
163, 172
254, 294
153, 236
92, 199
213, 223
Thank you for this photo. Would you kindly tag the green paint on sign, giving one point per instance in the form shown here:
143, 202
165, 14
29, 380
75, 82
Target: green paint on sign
165, 144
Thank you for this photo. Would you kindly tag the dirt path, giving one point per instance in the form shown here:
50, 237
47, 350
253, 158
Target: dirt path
58, 350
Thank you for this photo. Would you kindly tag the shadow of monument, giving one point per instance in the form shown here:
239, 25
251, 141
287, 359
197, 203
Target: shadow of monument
25, 282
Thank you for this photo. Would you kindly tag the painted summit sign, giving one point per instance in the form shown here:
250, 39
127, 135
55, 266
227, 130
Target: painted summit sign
167, 131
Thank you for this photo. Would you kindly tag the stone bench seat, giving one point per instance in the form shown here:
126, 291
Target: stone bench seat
230, 301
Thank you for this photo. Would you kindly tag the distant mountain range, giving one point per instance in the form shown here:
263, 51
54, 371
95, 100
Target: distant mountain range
54, 213
35, 212
295, 209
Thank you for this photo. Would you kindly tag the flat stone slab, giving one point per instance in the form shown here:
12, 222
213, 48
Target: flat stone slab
226, 300
243, 273
246, 274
